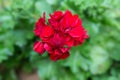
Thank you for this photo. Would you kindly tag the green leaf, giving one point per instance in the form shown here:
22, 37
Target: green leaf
41, 7
100, 60
46, 70
76, 61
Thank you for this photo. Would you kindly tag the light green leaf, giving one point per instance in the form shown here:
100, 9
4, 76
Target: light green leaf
100, 60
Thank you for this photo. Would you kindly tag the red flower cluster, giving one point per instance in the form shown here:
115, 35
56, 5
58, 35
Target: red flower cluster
63, 31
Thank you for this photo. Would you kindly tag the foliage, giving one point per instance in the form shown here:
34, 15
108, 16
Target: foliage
97, 59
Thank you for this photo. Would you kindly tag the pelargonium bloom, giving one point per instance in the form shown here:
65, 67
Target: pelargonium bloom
63, 31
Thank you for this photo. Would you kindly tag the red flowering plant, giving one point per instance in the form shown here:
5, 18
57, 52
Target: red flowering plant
63, 31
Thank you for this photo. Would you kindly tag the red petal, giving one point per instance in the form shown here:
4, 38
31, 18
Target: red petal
47, 32
59, 54
66, 20
57, 40
76, 42
54, 57
39, 47
56, 15
48, 48
65, 55
76, 32
40, 24
68, 13
76, 21
82, 39
54, 24
69, 41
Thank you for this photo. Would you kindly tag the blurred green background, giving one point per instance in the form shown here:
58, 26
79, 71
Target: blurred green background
97, 59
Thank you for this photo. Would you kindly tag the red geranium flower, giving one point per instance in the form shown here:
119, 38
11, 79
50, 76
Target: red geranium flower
63, 31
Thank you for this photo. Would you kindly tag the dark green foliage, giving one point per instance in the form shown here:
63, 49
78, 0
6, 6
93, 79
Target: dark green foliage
97, 59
